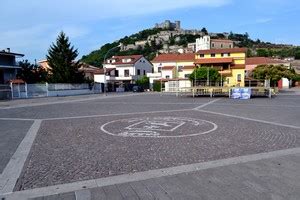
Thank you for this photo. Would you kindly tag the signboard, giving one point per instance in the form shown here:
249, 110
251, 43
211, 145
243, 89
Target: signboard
240, 93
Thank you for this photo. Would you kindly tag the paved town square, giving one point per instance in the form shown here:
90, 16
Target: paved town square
148, 145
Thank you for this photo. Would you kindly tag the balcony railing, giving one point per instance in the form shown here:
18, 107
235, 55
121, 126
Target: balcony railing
9, 66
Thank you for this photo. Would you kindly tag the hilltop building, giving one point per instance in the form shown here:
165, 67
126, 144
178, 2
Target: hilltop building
167, 24
8, 65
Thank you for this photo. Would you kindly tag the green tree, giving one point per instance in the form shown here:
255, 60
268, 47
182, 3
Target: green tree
61, 58
143, 82
262, 53
200, 74
31, 73
273, 73
157, 86
204, 30
297, 54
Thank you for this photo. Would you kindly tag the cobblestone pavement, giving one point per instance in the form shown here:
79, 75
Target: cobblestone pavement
72, 150
105, 137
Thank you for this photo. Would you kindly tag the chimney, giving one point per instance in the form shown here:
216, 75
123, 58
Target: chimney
8, 50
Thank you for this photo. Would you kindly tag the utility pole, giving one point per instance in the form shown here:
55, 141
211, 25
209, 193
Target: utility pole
207, 77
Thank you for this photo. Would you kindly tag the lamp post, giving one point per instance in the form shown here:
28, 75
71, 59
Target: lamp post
104, 68
207, 78
221, 76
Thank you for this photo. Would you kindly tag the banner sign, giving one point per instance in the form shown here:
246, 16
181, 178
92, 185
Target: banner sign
240, 93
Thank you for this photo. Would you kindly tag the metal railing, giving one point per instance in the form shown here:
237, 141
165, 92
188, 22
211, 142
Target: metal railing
16, 91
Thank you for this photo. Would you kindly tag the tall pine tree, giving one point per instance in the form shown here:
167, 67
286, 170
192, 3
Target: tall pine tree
61, 58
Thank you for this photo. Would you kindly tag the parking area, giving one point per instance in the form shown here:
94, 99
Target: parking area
105, 136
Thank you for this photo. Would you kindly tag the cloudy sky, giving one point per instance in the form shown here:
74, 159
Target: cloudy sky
30, 26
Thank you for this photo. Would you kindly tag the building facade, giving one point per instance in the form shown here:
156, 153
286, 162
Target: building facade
206, 43
122, 71
172, 66
167, 24
229, 62
8, 65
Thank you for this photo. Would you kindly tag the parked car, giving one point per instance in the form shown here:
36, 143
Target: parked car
137, 89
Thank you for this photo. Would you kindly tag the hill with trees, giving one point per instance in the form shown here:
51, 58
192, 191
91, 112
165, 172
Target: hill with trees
152, 47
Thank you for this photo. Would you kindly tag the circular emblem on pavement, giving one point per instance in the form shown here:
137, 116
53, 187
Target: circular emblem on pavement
158, 127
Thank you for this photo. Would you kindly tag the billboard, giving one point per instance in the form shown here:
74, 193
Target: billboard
240, 93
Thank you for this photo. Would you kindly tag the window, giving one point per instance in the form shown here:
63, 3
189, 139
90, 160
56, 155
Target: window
213, 55
221, 45
126, 72
222, 54
159, 69
230, 46
144, 72
228, 81
116, 73
138, 72
179, 68
212, 44
228, 54
201, 55
239, 77
167, 77
187, 75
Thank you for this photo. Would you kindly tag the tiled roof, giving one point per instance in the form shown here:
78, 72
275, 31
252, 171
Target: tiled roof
5, 53
101, 71
17, 81
175, 57
228, 50
213, 60
263, 61
219, 40
239, 66
168, 68
119, 59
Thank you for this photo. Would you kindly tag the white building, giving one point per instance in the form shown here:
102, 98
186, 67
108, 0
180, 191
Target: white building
203, 43
206, 43
122, 71
172, 66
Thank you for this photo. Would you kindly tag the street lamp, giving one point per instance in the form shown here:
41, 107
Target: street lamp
104, 68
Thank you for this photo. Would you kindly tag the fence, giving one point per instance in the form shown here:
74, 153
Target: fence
16, 91
5, 92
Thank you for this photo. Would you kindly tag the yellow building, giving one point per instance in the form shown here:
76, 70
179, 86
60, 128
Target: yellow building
229, 62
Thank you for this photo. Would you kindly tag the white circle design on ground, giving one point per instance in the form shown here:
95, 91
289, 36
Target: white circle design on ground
158, 127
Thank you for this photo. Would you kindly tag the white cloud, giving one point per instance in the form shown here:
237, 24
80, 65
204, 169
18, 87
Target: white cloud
81, 10
30, 26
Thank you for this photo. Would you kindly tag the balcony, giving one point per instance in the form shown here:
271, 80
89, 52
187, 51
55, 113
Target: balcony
154, 75
225, 72
15, 66
120, 78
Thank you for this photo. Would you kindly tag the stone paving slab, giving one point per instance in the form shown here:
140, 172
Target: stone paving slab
275, 178
11, 135
78, 149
